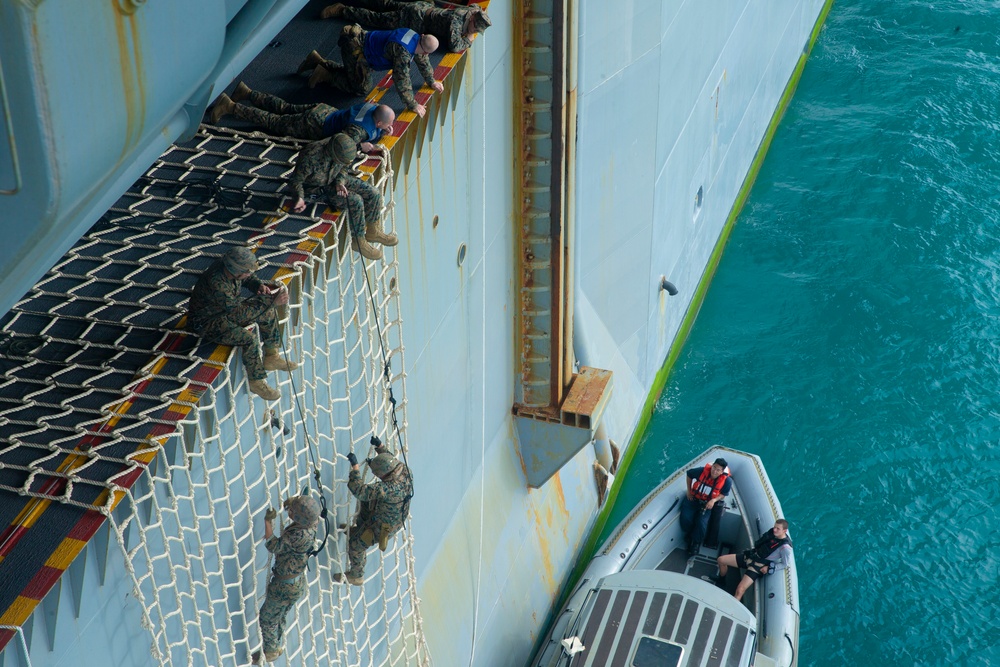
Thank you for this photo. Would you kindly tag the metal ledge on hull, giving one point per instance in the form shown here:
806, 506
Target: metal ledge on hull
550, 437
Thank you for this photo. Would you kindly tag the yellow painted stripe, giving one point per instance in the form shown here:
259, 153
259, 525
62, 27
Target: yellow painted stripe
19, 611
65, 553
29, 515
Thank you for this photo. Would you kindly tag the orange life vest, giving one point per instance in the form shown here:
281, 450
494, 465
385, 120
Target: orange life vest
705, 487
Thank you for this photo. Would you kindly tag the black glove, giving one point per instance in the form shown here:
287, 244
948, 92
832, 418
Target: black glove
271, 514
352, 458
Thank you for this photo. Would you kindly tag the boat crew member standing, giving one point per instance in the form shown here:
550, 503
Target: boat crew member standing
218, 313
385, 503
364, 53
706, 490
769, 554
366, 123
323, 164
288, 582
454, 26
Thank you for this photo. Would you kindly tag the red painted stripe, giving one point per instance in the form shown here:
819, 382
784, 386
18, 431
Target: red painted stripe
128, 478
10, 537
87, 526
42, 582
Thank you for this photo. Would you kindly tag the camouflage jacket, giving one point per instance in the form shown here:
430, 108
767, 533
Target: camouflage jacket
291, 550
448, 25
217, 295
382, 502
400, 59
316, 168
359, 133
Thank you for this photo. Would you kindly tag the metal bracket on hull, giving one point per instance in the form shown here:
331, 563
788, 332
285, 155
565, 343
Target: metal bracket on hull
549, 438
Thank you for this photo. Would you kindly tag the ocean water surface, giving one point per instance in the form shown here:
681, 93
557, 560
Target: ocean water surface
851, 338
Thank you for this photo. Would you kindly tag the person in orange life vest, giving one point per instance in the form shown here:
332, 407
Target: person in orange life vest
769, 554
706, 488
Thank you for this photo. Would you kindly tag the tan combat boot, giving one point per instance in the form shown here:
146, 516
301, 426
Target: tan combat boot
332, 11
311, 61
222, 107
319, 75
365, 248
241, 93
354, 581
262, 389
375, 234
275, 362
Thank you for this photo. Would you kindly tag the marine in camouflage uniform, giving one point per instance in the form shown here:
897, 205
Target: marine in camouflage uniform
357, 76
385, 504
323, 165
366, 122
278, 117
454, 27
288, 583
218, 313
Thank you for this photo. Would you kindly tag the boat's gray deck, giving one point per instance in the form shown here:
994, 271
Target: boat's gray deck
620, 616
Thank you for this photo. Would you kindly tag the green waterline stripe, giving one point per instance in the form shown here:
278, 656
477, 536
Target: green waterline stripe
583, 559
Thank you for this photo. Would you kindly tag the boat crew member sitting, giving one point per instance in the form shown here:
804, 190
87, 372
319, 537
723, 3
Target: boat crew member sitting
365, 53
288, 582
454, 26
770, 553
366, 123
324, 165
218, 313
706, 490
385, 504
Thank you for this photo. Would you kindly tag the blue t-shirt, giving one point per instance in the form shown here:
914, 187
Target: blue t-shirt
377, 40
362, 115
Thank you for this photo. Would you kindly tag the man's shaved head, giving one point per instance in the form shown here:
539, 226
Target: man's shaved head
428, 43
384, 115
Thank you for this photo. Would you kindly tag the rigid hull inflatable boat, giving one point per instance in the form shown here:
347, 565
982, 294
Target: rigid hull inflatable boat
646, 599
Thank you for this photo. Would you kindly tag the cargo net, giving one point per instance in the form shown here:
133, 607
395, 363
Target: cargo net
172, 447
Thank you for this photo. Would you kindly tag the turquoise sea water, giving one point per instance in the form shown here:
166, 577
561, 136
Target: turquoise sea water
851, 338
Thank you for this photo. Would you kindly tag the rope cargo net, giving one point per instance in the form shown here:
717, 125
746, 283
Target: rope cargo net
122, 412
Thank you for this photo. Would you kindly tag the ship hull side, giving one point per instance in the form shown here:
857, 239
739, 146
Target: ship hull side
678, 110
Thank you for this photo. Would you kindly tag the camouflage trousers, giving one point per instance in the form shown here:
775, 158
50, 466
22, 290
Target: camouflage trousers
278, 117
363, 203
357, 549
379, 5
388, 15
280, 599
355, 76
233, 332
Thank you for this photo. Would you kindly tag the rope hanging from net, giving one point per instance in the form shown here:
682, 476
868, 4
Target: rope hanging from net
386, 367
